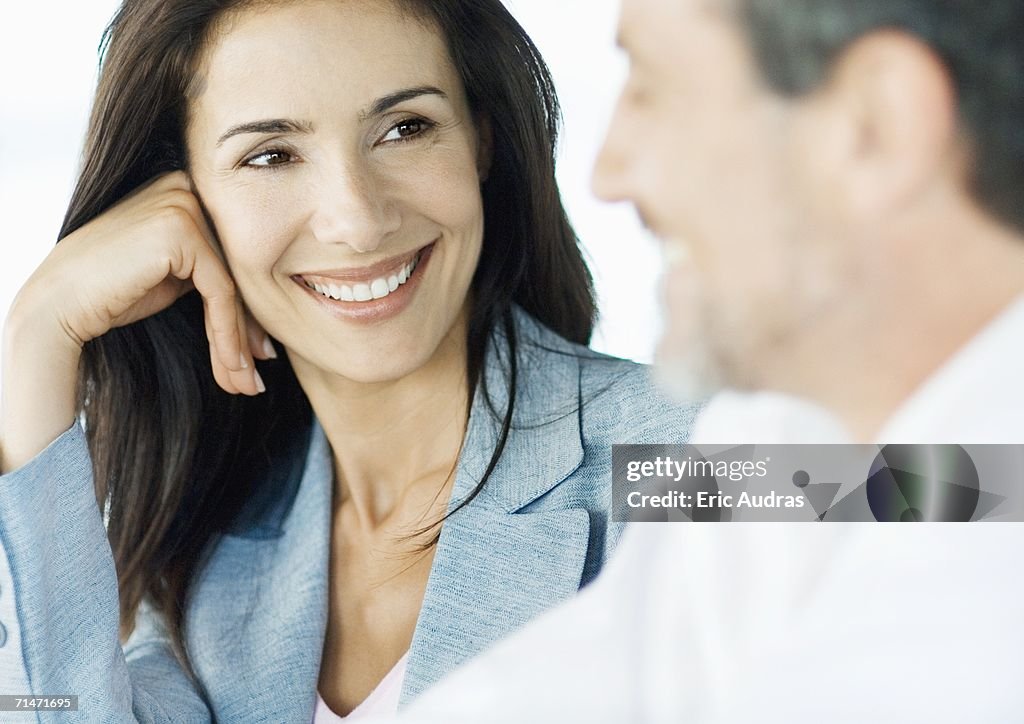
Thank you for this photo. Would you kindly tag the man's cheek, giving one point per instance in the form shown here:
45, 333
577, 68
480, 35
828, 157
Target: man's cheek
680, 294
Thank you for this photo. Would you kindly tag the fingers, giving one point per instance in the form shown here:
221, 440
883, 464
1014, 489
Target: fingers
225, 320
235, 339
259, 341
244, 380
226, 328
248, 357
165, 183
224, 323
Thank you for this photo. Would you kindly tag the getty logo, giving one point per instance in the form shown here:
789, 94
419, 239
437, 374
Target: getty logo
909, 483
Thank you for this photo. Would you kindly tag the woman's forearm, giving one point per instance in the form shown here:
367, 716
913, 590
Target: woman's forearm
38, 382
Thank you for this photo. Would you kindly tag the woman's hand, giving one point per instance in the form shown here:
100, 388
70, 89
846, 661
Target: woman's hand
130, 262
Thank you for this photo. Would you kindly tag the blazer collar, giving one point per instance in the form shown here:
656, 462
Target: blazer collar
546, 417
493, 572
497, 566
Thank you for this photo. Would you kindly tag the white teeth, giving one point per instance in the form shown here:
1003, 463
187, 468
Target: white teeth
379, 288
376, 289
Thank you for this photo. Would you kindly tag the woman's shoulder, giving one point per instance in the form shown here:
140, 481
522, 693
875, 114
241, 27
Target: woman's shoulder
618, 399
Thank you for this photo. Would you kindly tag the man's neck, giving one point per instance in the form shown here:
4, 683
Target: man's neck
864, 365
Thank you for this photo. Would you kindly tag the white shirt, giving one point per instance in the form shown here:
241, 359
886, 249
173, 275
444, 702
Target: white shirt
382, 701
789, 622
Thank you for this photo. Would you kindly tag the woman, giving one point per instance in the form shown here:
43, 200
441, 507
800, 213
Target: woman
402, 451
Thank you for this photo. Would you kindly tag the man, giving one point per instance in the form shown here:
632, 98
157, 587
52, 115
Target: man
839, 185
851, 208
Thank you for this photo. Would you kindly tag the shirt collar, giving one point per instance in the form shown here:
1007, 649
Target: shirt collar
975, 397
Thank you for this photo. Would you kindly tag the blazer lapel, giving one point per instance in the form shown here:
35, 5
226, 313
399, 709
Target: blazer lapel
259, 616
492, 573
497, 566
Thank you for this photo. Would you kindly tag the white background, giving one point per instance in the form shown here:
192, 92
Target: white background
48, 60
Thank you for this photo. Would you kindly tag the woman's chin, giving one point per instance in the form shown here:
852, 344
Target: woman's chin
414, 343
376, 362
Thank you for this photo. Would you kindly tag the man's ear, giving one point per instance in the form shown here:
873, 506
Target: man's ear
484, 146
901, 104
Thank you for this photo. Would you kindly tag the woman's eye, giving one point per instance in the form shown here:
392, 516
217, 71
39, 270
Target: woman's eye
268, 158
406, 130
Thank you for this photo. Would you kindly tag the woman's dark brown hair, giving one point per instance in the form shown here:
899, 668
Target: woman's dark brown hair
174, 457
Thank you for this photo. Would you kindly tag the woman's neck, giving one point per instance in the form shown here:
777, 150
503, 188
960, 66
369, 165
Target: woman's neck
395, 443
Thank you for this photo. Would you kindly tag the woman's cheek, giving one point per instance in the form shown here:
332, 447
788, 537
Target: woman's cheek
450, 189
255, 230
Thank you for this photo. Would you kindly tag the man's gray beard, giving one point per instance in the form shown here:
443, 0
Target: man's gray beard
687, 371
687, 365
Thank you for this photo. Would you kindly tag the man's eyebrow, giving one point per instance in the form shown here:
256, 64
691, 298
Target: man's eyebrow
270, 125
393, 99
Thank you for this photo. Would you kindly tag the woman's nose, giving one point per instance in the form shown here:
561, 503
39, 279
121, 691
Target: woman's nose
353, 207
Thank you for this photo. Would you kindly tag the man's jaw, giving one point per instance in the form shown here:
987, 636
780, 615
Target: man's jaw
685, 364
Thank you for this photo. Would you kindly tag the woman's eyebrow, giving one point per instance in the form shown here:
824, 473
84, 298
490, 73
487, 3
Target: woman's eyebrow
287, 125
393, 99
270, 125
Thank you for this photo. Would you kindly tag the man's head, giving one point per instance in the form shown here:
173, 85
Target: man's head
810, 165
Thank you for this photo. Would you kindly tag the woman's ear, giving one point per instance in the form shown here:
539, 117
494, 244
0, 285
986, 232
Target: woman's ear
484, 146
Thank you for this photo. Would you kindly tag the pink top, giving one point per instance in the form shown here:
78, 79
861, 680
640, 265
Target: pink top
383, 700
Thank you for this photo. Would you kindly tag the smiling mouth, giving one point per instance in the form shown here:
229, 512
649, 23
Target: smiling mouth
368, 290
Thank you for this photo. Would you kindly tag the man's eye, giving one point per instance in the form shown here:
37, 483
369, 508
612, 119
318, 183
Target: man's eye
406, 130
268, 158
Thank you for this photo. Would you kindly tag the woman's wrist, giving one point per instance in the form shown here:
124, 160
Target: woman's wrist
34, 317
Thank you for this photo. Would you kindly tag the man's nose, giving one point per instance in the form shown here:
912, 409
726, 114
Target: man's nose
608, 179
354, 207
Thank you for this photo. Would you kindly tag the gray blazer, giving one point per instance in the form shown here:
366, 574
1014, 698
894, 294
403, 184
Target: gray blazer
256, 623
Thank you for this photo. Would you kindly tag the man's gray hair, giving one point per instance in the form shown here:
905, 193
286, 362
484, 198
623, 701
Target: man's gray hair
980, 43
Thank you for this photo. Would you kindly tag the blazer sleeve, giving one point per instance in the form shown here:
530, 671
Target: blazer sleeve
59, 607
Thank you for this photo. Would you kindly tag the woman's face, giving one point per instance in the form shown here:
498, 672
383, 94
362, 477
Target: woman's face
333, 146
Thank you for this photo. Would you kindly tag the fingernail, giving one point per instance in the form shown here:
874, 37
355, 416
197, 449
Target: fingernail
268, 348
259, 382
242, 361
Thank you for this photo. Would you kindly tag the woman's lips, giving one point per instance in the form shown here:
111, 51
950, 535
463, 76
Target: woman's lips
366, 274
364, 286
370, 294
